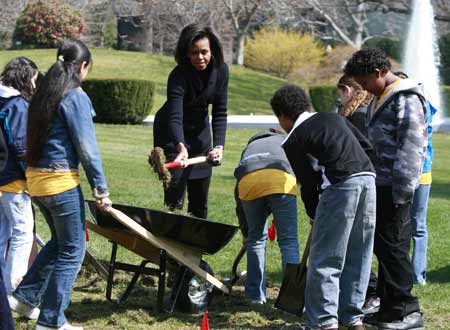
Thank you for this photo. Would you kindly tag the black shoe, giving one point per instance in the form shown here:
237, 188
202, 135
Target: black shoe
413, 321
371, 319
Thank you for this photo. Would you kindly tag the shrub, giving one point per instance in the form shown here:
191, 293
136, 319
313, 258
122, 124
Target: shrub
110, 34
281, 52
323, 98
444, 49
47, 23
120, 101
392, 47
445, 94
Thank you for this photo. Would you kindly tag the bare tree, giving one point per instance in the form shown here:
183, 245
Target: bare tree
348, 20
10, 11
241, 14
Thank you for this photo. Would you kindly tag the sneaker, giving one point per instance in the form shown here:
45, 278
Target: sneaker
413, 321
372, 305
19, 307
324, 327
256, 301
358, 325
66, 326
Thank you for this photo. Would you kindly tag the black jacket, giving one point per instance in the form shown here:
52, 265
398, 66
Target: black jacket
325, 149
184, 117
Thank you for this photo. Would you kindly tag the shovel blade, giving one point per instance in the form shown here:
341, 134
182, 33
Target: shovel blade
291, 297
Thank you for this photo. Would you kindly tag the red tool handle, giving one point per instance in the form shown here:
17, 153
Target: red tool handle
272, 231
173, 165
190, 161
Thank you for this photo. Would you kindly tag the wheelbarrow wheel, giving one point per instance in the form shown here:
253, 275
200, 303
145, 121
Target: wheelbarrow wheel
195, 292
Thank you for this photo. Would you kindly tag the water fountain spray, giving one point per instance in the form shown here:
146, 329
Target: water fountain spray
421, 60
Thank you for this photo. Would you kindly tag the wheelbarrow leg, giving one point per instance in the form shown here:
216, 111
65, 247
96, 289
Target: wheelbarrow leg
181, 277
161, 280
111, 269
133, 282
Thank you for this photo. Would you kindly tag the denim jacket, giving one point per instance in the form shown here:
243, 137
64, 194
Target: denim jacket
16, 109
71, 139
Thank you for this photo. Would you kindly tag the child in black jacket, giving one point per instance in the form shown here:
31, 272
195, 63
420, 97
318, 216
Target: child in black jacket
327, 147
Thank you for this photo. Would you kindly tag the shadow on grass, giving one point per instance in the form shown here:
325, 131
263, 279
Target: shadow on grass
225, 312
440, 189
441, 275
233, 312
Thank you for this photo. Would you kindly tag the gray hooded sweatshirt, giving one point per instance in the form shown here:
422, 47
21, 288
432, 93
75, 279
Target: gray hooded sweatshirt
397, 131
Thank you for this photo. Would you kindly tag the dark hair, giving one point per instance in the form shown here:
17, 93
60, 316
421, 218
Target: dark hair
18, 74
290, 101
190, 34
62, 77
401, 74
366, 61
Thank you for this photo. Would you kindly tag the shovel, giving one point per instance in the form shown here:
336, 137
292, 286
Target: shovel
291, 297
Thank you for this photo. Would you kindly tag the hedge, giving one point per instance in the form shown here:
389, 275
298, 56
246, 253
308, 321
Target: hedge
120, 101
323, 98
445, 94
392, 47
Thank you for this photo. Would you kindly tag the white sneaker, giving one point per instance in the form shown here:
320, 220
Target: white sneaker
66, 326
19, 307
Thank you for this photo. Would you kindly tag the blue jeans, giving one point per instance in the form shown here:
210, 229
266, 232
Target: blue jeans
6, 320
16, 225
284, 209
420, 233
341, 252
49, 281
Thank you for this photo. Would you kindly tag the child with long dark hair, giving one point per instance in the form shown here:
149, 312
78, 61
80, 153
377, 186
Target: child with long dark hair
60, 135
182, 125
17, 85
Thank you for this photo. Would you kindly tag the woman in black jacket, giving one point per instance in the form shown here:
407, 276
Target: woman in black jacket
182, 125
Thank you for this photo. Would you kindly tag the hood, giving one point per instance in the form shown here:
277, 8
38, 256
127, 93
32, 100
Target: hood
7, 92
405, 85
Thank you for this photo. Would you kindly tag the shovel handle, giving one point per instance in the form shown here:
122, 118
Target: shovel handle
190, 161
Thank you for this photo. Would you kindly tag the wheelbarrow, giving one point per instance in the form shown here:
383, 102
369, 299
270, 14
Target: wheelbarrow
170, 241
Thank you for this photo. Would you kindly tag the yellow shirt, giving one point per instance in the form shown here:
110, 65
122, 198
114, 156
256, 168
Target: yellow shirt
266, 182
46, 183
17, 187
385, 92
425, 178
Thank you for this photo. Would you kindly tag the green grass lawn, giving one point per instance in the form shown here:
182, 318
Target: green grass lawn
124, 150
249, 91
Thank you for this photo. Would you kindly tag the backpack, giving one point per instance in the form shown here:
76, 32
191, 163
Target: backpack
6, 137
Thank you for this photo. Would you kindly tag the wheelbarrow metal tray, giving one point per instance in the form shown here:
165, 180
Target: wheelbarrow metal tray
204, 235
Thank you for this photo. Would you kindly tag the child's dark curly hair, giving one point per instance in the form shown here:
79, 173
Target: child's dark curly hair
365, 61
290, 101
18, 74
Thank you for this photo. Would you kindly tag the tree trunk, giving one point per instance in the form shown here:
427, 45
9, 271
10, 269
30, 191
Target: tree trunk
161, 44
148, 35
239, 50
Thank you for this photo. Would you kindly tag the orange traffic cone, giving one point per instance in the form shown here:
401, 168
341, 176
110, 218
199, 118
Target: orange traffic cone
272, 231
205, 321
